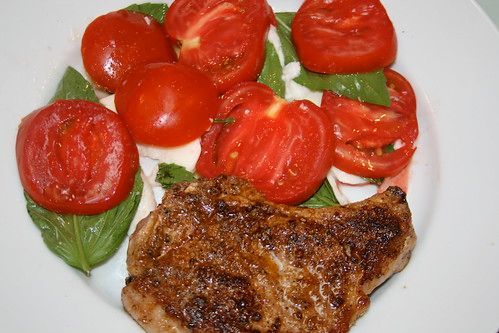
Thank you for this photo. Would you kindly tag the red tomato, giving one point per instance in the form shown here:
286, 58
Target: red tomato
115, 42
344, 36
284, 149
166, 104
367, 125
225, 39
76, 157
362, 129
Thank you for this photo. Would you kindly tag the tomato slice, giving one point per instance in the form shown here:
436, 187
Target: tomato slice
284, 149
363, 129
166, 104
225, 39
344, 36
114, 43
368, 163
76, 157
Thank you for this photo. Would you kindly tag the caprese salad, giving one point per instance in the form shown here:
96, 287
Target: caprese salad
280, 99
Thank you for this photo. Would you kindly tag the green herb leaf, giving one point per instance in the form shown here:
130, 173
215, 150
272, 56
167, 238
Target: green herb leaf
324, 197
229, 120
169, 174
375, 181
74, 86
271, 74
84, 241
366, 87
284, 31
155, 10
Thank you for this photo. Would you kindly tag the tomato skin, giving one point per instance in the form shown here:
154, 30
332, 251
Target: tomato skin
76, 157
344, 36
367, 125
116, 42
284, 149
166, 104
225, 39
253, 96
363, 129
369, 164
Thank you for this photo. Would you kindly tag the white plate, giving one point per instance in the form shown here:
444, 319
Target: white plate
447, 48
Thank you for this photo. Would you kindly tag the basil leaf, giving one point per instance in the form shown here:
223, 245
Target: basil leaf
284, 19
224, 121
169, 174
284, 31
324, 197
74, 86
84, 241
365, 87
271, 74
156, 10
375, 181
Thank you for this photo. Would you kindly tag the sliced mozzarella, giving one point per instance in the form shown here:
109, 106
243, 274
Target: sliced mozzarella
342, 199
108, 102
291, 71
185, 155
146, 205
346, 193
294, 90
158, 192
357, 193
274, 39
347, 178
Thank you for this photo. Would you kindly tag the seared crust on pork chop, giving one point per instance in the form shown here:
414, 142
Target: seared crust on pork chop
216, 256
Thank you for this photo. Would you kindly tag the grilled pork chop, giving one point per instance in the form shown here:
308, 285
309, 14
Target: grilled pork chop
215, 256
